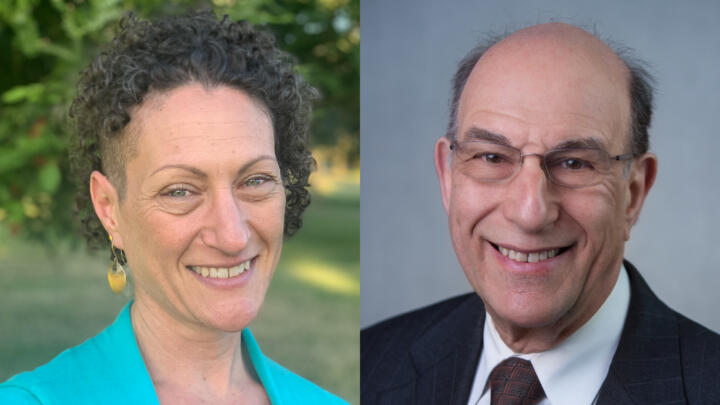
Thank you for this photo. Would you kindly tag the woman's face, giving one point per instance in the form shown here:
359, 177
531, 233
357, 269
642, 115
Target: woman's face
201, 221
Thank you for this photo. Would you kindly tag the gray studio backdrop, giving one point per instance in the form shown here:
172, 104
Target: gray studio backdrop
409, 51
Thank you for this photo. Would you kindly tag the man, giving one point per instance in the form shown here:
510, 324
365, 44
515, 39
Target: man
544, 171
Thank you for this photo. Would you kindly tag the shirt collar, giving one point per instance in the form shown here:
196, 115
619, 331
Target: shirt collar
572, 372
262, 368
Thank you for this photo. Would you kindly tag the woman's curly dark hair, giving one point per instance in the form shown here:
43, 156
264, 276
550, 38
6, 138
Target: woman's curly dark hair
147, 57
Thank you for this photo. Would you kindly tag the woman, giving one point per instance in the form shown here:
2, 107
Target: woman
191, 143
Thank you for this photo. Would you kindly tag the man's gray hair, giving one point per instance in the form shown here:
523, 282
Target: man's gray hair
641, 91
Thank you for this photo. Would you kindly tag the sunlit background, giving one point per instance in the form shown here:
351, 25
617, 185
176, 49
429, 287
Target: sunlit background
54, 294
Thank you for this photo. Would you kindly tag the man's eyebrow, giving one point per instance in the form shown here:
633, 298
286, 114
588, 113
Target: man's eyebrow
581, 143
202, 174
479, 134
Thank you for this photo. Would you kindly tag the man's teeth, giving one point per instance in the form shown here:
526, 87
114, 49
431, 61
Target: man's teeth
221, 272
533, 257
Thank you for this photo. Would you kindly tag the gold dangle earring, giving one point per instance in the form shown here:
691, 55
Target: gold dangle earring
116, 273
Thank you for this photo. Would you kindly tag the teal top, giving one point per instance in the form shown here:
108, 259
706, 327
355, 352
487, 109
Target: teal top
108, 369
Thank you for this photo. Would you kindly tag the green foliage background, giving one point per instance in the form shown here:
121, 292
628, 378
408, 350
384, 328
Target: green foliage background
45, 44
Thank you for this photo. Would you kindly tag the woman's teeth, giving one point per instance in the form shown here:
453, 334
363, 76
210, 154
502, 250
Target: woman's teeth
533, 257
221, 272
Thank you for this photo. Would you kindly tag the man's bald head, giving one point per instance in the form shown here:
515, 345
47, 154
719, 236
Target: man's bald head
534, 47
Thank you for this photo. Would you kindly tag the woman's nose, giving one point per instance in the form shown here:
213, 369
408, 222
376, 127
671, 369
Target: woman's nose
227, 229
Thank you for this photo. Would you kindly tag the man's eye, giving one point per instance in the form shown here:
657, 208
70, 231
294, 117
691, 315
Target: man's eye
491, 157
575, 164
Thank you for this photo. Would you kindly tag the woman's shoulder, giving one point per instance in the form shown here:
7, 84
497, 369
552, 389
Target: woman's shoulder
60, 378
294, 389
282, 385
108, 363
10, 394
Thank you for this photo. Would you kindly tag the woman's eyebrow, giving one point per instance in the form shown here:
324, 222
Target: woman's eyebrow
202, 174
255, 161
193, 170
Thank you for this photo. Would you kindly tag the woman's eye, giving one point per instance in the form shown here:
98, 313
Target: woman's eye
179, 198
258, 181
178, 193
255, 181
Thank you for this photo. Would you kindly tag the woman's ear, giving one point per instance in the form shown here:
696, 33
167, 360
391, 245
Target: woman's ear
106, 204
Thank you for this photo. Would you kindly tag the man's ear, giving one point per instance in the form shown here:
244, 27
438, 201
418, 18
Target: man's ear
443, 170
106, 203
641, 179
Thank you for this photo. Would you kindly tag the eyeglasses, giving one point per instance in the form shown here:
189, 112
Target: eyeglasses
493, 163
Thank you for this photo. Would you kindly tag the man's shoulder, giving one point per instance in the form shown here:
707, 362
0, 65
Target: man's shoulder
700, 354
664, 355
696, 335
409, 326
645, 304
432, 332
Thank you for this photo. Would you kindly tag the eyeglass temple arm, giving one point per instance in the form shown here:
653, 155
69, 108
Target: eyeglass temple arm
625, 156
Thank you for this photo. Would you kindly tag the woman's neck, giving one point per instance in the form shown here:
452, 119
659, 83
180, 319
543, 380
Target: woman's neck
190, 361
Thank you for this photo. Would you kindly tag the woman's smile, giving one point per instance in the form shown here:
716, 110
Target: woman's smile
220, 271
225, 278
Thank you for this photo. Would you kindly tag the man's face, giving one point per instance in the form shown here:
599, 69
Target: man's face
540, 92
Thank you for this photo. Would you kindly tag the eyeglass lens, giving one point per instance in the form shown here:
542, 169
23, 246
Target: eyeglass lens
490, 162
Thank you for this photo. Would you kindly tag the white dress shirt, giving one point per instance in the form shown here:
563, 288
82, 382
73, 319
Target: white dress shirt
572, 372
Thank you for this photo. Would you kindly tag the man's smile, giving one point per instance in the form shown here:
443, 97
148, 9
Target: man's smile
529, 255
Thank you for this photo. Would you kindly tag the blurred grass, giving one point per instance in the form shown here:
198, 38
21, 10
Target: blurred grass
50, 301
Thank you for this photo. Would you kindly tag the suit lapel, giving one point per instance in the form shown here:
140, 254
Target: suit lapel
646, 368
446, 356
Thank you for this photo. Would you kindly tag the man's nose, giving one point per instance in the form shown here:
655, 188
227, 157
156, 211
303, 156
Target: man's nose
530, 202
227, 227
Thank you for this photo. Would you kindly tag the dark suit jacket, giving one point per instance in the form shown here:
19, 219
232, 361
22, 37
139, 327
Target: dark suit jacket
429, 356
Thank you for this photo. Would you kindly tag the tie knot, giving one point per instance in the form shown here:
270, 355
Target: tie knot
514, 382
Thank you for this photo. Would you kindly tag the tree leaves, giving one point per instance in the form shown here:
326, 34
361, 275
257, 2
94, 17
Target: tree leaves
47, 42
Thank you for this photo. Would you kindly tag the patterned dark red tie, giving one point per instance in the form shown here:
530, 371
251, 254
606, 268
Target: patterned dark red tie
514, 382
